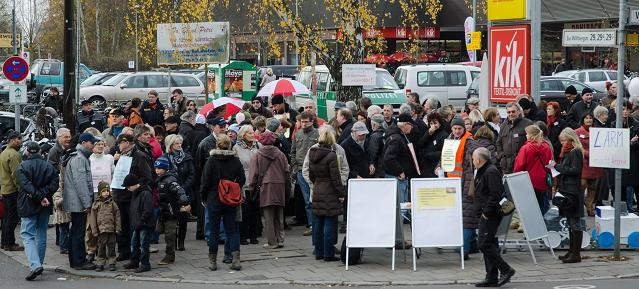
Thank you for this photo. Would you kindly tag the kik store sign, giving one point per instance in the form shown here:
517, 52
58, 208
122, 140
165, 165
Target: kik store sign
510, 62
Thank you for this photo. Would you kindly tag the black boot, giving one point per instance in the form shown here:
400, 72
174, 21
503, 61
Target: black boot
575, 245
570, 236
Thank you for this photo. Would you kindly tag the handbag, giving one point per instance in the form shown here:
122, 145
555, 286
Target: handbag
562, 202
506, 207
229, 192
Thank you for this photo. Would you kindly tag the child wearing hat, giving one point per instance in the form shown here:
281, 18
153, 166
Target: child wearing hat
172, 201
141, 218
105, 226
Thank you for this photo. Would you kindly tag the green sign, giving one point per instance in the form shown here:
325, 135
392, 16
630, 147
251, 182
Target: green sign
381, 98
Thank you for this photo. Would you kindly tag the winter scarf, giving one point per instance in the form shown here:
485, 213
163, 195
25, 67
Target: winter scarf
550, 120
176, 158
565, 149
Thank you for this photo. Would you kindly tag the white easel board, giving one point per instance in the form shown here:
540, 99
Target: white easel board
436, 206
371, 214
520, 188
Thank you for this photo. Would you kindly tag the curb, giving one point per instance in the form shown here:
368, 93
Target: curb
126, 277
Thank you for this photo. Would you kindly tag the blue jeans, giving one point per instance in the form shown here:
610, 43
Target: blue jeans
306, 193
402, 193
630, 195
469, 236
542, 200
207, 229
77, 250
154, 235
324, 237
33, 231
140, 247
64, 237
226, 215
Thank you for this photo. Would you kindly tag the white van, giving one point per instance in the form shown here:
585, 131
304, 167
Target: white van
447, 83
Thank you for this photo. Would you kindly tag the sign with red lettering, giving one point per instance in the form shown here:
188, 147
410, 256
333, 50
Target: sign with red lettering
510, 62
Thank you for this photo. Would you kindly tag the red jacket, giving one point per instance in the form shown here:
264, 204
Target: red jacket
533, 157
587, 172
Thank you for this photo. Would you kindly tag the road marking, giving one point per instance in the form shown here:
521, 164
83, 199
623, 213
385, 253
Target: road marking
575, 287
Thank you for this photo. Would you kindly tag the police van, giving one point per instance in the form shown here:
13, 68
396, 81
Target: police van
385, 91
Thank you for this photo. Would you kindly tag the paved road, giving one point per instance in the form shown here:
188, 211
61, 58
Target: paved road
12, 277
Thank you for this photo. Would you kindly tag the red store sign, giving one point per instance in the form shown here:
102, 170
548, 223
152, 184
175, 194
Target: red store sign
400, 33
510, 62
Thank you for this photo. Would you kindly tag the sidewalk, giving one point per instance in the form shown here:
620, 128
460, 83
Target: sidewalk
296, 264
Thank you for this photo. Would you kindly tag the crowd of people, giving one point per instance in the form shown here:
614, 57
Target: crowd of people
238, 177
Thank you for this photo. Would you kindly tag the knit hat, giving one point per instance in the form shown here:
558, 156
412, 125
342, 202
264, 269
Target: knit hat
571, 90
13, 135
161, 163
103, 186
33, 147
359, 128
378, 119
172, 119
525, 103
130, 180
277, 99
267, 138
457, 121
234, 128
272, 124
339, 105
405, 117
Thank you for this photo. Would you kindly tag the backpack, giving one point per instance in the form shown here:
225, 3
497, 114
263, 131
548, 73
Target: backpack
229, 192
354, 254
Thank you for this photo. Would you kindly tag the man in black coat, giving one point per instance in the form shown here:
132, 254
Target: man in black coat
376, 146
186, 130
153, 110
489, 191
88, 117
38, 181
581, 108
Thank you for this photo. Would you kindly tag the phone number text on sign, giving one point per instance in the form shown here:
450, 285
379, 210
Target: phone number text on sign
589, 38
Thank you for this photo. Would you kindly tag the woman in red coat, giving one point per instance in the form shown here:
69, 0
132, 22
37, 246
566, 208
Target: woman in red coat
589, 175
533, 157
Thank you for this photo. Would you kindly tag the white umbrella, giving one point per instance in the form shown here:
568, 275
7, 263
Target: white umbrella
283, 86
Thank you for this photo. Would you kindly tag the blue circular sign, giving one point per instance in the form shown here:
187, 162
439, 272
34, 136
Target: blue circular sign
15, 68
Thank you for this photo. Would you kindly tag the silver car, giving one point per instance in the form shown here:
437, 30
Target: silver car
127, 85
595, 78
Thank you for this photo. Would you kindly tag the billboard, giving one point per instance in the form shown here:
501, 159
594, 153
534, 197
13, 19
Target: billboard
233, 82
507, 9
193, 43
510, 62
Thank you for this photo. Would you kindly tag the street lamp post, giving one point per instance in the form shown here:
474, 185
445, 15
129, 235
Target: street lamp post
136, 37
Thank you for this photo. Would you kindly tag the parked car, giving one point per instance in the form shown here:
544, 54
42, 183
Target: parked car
385, 91
127, 85
47, 73
8, 121
98, 78
551, 88
448, 83
595, 78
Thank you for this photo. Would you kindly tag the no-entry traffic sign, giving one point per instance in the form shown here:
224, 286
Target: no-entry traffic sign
15, 68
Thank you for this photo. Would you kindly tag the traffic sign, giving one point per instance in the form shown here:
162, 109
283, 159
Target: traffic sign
589, 38
634, 17
15, 68
17, 94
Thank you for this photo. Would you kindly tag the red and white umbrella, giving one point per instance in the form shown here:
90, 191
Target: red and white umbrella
233, 106
283, 86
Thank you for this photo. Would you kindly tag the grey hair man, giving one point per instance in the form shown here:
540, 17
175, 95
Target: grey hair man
63, 143
601, 116
512, 136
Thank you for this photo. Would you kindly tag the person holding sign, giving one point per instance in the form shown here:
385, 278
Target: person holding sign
456, 162
589, 175
629, 182
489, 191
137, 165
570, 187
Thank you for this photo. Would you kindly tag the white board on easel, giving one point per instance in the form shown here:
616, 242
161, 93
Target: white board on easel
519, 187
371, 214
437, 214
